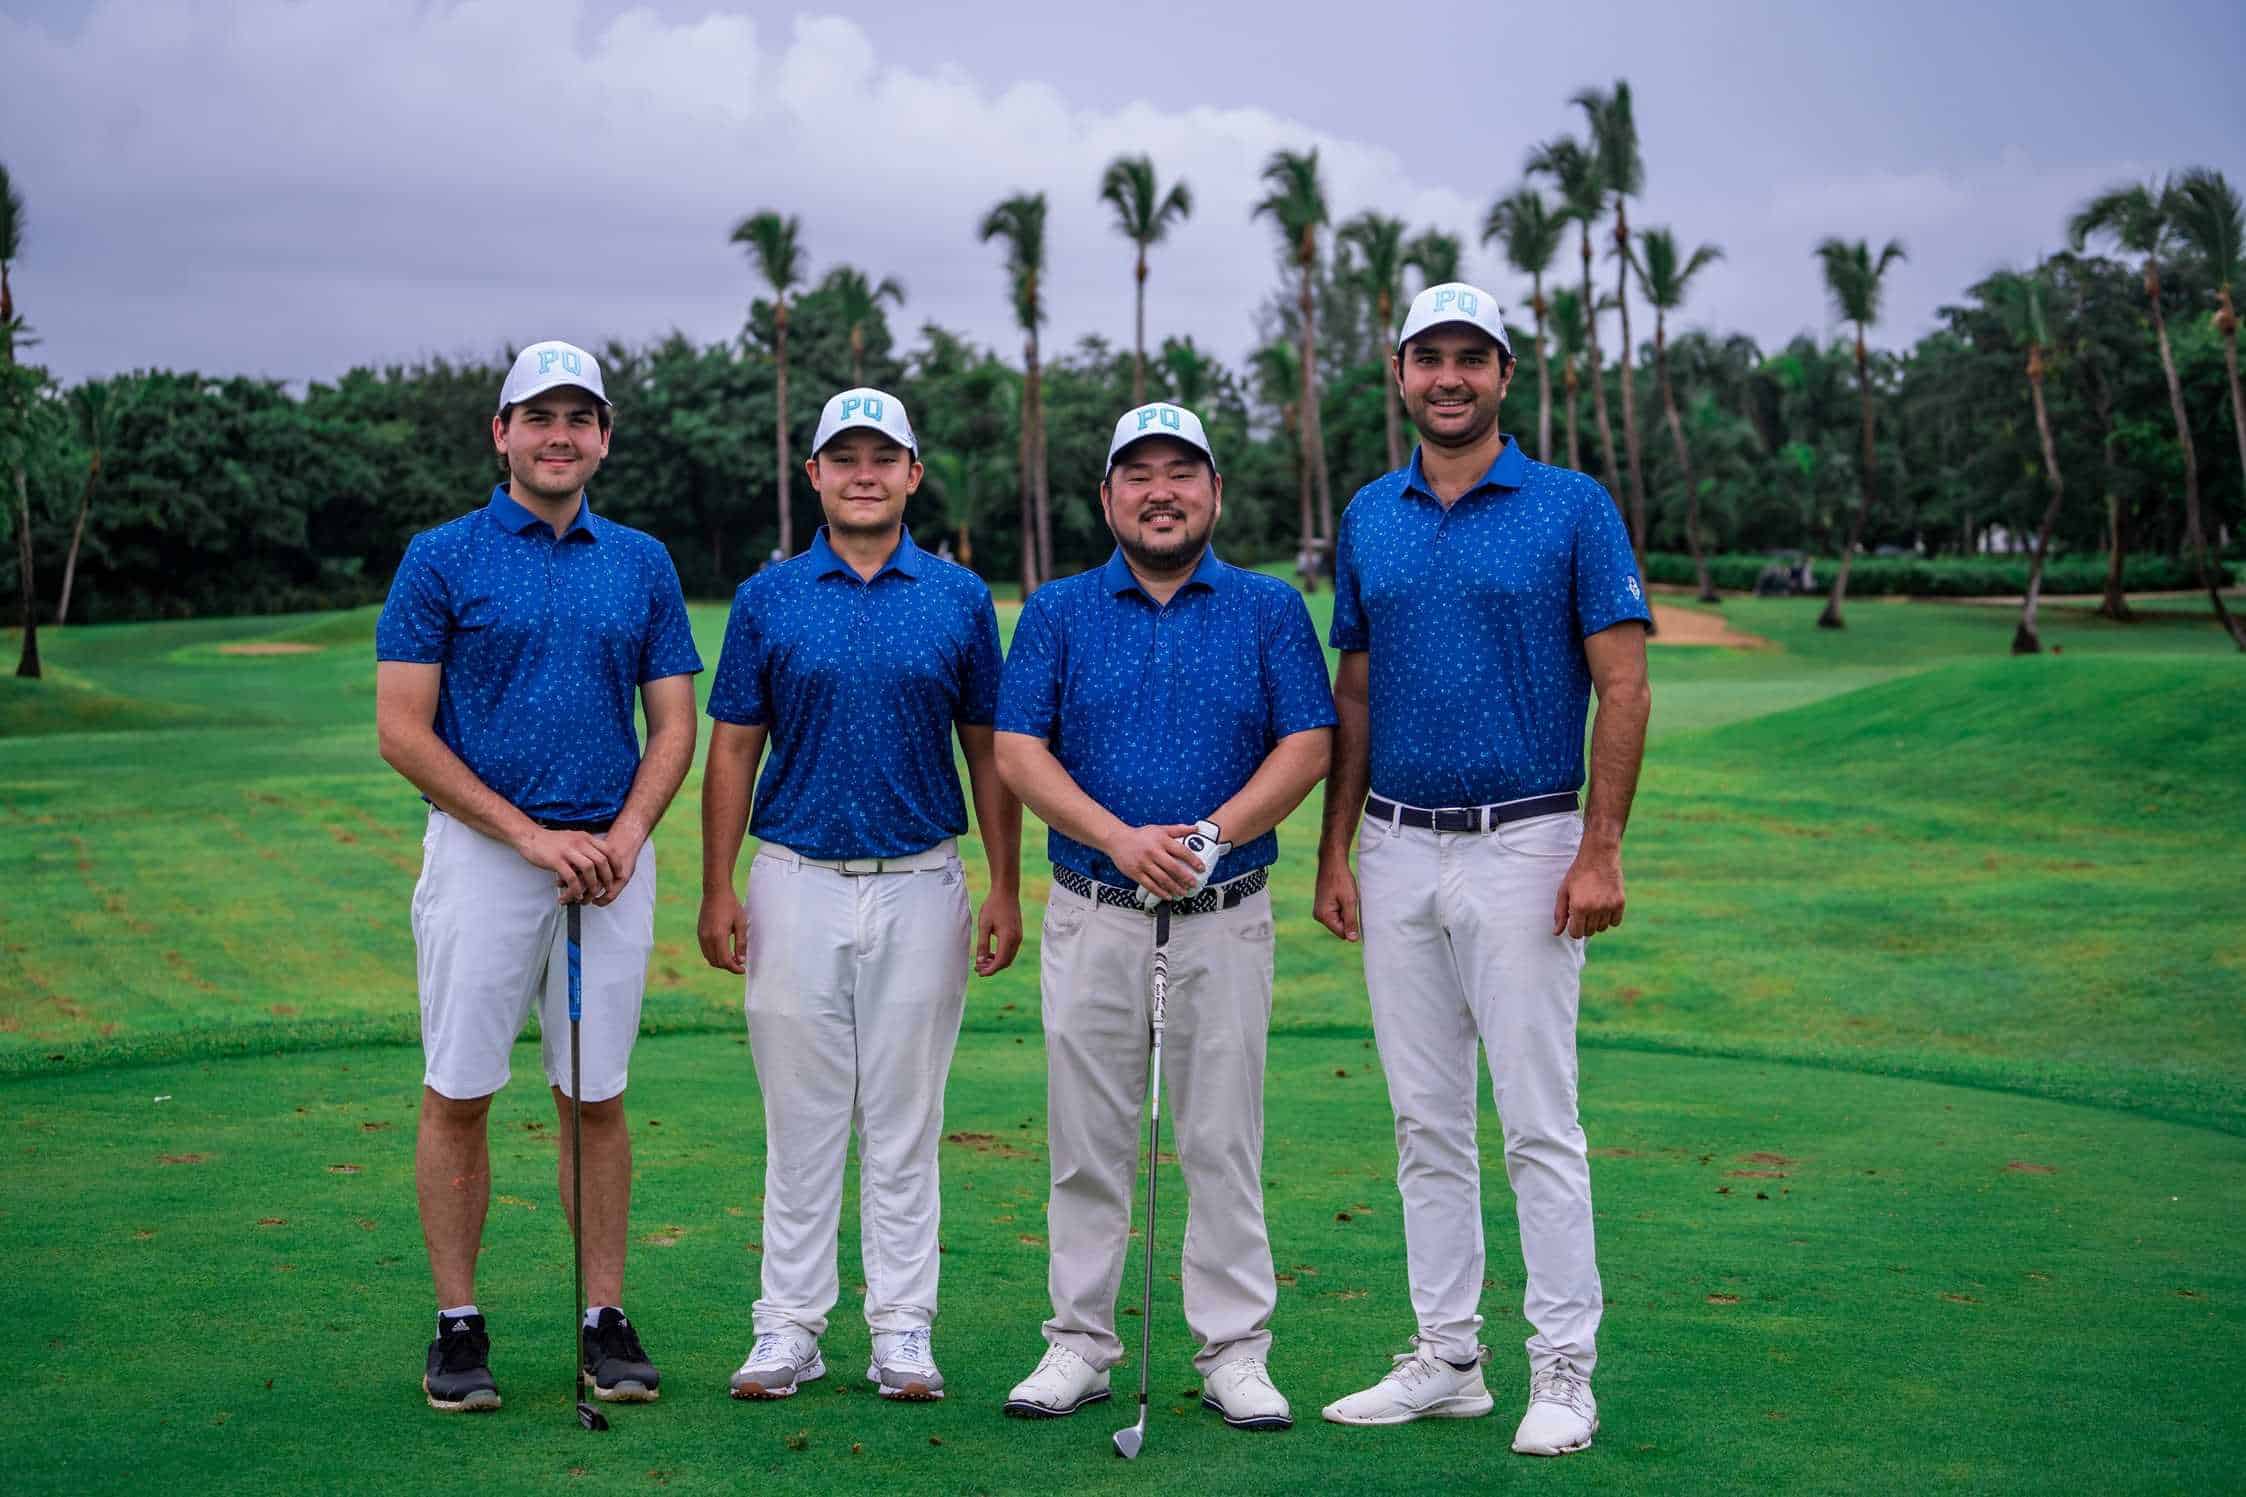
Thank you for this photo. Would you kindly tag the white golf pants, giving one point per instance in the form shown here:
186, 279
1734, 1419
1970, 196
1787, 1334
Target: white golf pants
855, 988
1097, 965
1459, 945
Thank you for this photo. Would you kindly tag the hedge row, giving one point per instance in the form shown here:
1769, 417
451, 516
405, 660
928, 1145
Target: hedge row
1944, 576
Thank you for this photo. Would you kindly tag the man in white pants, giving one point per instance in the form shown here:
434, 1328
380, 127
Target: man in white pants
1479, 598
855, 662
1163, 691
511, 647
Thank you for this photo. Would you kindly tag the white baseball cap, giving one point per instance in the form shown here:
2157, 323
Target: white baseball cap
1455, 301
544, 366
878, 409
1160, 419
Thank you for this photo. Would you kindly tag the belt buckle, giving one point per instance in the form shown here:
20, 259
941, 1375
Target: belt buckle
1458, 819
858, 867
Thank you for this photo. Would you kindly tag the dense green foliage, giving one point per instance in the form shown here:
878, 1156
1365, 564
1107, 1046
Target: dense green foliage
1942, 576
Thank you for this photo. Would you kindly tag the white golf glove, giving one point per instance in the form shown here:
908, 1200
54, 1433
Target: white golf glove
1207, 845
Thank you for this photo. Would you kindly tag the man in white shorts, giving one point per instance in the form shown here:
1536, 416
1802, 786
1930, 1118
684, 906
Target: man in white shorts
856, 662
1479, 599
511, 648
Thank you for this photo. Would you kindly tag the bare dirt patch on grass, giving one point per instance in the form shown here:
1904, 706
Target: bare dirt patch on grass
1685, 626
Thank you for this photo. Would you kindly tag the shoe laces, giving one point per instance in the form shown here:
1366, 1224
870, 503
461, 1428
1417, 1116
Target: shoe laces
463, 1351
911, 1348
1561, 1384
1057, 1359
1245, 1369
771, 1349
615, 1337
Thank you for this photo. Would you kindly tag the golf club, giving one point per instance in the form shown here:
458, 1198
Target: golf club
1128, 1441
587, 1415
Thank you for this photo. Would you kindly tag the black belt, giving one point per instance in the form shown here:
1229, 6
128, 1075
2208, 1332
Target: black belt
1469, 818
1224, 896
595, 827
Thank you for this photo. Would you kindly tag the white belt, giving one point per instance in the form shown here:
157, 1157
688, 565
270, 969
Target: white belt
942, 855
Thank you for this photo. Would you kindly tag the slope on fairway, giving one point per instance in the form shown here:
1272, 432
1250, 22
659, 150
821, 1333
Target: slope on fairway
1815, 1282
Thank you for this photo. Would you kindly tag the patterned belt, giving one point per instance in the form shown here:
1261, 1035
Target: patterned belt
1223, 896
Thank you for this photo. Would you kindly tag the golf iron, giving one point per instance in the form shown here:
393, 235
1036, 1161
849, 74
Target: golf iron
587, 1415
1128, 1441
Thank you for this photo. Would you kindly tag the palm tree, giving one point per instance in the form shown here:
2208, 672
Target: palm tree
774, 244
1143, 215
1379, 241
1570, 333
2214, 226
1852, 278
1192, 373
93, 408
2141, 219
1278, 372
860, 302
1614, 137
1020, 221
1435, 255
1532, 233
1574, 170
952, 475
2018, 302
1664, 279
11, 248
1296, 203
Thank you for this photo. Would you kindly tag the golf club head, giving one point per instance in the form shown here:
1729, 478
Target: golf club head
591, 1417
1128, 1441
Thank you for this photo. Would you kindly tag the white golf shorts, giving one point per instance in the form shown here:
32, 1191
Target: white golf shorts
491, 940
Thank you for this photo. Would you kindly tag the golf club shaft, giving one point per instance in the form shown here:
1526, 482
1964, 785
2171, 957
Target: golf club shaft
1161, 987
576, 1153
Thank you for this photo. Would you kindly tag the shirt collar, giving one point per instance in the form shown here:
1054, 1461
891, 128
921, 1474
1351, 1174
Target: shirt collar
511, 517
1509, 470
906, 561
1119, 578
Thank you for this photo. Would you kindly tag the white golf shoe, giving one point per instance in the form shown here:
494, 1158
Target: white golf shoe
1241, 1390
1063, 1383
905, 1367
1562, 1416
779, 1363
1420, 1386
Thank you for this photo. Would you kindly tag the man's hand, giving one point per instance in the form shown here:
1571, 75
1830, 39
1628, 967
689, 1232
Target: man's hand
579, 862
998, 933
723, 930
1334, 901
1154, 858
623, 856
1590, 896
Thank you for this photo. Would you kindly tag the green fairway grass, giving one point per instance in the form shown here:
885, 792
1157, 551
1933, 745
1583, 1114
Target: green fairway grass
1957, 938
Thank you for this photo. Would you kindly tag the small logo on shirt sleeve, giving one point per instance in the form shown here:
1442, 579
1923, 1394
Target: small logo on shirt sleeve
1632, 584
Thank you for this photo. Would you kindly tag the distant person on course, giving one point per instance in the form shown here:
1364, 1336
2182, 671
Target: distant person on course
1161, 693
856, 662
512, 646
1479, 599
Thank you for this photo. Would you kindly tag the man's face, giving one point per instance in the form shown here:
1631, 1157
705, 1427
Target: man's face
553, 444
863, 479
1452, 379
1162, 499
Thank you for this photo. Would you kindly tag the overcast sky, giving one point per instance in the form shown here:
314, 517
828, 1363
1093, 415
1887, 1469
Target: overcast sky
291, 187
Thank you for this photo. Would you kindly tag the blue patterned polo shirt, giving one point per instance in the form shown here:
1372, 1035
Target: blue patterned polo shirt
860, 684
1474, 618
1161, 712
544, 640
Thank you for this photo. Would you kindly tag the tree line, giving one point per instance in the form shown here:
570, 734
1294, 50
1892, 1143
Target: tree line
168, 493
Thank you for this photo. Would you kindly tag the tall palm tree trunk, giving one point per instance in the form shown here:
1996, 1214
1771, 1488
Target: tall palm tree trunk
1306, 566
2115, 604
1543, 374
1630, 444
2226, 323
1684, 457
1831, 617
1313, 430
77, 535
786, 485
1025, 453
1598, 382
1387, 312
2025, 640
27, 664
1575, 456
1138, 360
1044, 485
2194, 535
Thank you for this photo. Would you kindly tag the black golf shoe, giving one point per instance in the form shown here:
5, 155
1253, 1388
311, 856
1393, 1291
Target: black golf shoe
458, 1379
616, 1365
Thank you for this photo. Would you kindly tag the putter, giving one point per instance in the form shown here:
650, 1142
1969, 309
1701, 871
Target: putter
587, 1415
1128, 1441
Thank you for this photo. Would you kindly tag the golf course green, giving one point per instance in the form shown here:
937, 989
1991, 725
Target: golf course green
1915, 1084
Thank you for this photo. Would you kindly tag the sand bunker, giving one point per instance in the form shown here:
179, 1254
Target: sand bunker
1683, 626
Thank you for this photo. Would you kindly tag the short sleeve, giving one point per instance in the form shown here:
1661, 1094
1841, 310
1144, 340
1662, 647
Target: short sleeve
1348, 631
668, 649
416, 620
978, 695
1299, 696
737, 691
1607, 590
1029, 692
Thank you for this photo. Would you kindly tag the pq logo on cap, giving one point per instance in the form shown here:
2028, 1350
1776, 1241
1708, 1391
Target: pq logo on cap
1457, 299
868, 407
569, 359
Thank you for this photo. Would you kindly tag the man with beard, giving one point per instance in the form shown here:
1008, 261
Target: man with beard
856, 661
511, 647
1479, 598
1164, 693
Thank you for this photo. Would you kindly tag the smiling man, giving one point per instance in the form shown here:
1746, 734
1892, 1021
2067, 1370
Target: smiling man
855, 662
1479, 599
512, 645
1163, 692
